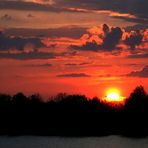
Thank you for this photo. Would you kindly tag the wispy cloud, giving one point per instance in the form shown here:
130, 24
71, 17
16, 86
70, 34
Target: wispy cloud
74, 75
142, 73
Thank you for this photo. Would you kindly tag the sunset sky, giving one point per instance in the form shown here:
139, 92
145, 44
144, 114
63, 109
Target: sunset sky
73, 46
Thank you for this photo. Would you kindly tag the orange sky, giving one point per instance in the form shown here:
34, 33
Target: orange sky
62, 46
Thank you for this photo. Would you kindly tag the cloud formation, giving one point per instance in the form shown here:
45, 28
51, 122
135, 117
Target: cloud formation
112, 38
137, 56
40, 65
143, 73
78, 64
129, 10
27, 56
136, 8
18, 43
6, 17
134, 39
74, 75
106, 38
31, 6
70, 32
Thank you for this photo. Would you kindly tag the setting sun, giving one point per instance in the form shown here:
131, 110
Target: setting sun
113, 95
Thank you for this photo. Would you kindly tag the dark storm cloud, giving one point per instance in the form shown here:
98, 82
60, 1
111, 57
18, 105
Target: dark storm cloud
143, 73
134, 39
112, 38
110, 41
19, 43
134, 7
27, 56
70, 32
75, 75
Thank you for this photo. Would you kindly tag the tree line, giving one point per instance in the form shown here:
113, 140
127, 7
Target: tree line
73, 115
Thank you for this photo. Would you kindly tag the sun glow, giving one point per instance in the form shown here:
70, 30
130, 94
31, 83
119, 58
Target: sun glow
114, 95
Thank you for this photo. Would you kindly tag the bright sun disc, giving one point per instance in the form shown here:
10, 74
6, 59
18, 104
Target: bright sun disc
113, 95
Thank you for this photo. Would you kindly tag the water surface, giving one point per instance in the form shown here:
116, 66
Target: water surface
58, 142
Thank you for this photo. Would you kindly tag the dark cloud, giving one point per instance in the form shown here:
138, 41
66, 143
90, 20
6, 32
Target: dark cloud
88, 46
71, 64
132, 64
19, 43
27, 56
134, 20
79, 64
133, 7
137, 8
112, 39
6, 17
136, 56
75, 75
30, 15
136, 27
84, 63
69, 31
22, 5
134, 39
143, 73
105, 28
109, 42
40, 65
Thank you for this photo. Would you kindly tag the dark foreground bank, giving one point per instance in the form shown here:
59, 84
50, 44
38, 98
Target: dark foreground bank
73, 115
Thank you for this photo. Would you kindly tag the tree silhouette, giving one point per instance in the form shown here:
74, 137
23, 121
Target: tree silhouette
19, 99
138, 99
73, 115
